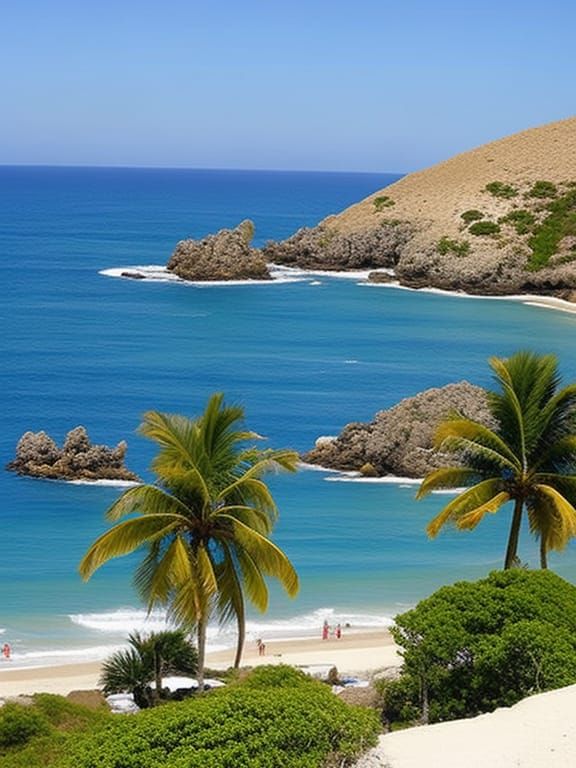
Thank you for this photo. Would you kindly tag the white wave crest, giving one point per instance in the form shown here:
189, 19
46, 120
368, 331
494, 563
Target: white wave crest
109, 483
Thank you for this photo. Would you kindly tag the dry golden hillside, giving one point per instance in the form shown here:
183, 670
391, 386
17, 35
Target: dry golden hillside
438, 195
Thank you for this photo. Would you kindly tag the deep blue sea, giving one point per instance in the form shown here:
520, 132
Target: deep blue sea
304, 357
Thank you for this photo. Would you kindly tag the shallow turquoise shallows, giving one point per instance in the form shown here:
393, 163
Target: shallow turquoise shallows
303, 357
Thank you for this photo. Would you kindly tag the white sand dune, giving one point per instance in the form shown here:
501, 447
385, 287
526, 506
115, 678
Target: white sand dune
538, 732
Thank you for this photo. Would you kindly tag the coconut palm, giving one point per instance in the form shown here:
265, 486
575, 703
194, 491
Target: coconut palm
528, 459
150, 656
205, 525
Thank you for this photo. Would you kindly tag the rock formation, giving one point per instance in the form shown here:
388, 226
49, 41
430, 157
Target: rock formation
226, 255
399, 440
37, 455
326, 248
498, 220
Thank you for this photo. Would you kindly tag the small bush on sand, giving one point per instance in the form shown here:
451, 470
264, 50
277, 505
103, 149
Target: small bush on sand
484, 228
543, 189
499, 189
471, 215
520, 219
383, 201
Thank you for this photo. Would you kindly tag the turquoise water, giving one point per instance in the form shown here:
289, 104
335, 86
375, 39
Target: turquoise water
303, 357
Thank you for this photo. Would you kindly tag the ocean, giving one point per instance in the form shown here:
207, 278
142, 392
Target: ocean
303, 355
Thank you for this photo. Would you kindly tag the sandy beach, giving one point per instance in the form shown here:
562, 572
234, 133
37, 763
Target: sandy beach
357, 653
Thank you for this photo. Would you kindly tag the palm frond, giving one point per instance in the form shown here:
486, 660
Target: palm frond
147, 500
468, 501
270, 558
446, 477
470, 520
126, 537
469, 435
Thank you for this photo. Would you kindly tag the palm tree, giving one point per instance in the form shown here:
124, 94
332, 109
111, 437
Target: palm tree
205, 525
529, 458
151, 656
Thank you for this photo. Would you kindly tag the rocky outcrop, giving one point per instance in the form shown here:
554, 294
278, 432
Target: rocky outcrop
399, 440
37, 455
226, 255
325, 248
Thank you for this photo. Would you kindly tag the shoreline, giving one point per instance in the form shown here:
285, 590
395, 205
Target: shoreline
355, 653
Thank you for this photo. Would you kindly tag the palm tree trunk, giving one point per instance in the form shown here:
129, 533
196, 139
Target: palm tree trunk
543, 553
241, 620
512, 549
202, 626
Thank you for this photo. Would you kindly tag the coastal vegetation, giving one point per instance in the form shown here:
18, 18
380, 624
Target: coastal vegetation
274, 717
475, 646
500, 189
484, 228
383, 201
149, 658
457, 247
559, 223
204, 526
528, 459
471, 215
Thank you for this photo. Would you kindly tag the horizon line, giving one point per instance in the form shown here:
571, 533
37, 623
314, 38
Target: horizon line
193, 168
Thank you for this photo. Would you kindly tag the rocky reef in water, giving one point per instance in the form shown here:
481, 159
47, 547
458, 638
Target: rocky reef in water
227, 255
399, 440
37, 455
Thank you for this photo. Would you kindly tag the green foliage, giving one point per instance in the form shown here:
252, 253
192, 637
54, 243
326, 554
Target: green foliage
499, 189
18, 724
459, 247
471, 215
151, 657
475, 646
560, 223
484, 228
383, 201
543, 189
521, 219
275, 718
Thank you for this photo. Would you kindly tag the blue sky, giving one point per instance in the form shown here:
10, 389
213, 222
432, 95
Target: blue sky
358, 85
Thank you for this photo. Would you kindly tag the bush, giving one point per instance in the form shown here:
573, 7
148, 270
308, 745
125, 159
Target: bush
520, 219
472, 647
543, 189
471, 215
560, 223
383, 201
499, 189
276, 717
484, 228
459, 247
19, 724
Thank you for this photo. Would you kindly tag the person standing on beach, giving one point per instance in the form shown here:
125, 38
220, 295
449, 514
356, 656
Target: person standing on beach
6, 651
261, 648
325, 630
338, 632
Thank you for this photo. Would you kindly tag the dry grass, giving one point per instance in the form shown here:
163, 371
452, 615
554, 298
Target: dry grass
435, 197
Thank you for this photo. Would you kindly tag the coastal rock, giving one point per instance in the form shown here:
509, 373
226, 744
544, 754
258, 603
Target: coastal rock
324, 247
226, 255
37, 455
399, 440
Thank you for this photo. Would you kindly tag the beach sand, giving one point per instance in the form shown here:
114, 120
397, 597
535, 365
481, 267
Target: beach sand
354, 653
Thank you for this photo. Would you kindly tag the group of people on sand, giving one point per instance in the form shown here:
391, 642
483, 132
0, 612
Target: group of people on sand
326, 629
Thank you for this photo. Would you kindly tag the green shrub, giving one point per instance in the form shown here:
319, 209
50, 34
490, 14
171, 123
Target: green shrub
560, 223
484, 228
543, 189
383, 201
471, 215
521, 219
19, 724
277, 717
499, 189
459, 247
474, 646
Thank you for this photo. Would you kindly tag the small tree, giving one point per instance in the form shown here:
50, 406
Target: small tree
474, 646
150, 657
